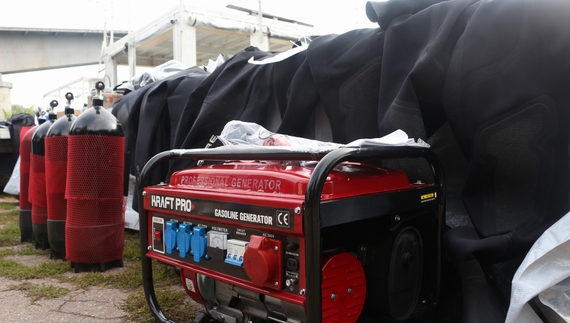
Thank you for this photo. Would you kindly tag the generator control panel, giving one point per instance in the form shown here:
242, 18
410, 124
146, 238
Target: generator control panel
266, 259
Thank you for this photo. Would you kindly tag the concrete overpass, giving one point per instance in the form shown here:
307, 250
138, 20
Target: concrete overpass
189, 34
192, 35
32, 49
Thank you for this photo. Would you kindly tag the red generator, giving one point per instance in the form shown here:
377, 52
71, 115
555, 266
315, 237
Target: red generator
273, 235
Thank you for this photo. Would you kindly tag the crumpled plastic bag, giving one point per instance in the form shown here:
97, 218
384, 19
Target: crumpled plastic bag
242, 133
158, 73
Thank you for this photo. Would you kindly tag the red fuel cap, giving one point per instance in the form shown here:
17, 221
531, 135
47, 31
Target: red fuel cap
263, 262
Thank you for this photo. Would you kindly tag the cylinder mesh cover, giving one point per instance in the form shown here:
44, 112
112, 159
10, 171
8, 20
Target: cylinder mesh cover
94, 228
37, 189
25, 150
56, 174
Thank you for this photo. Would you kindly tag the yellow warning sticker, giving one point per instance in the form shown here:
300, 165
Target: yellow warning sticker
428, 197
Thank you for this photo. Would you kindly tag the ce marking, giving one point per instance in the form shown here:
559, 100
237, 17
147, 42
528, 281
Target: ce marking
283, 218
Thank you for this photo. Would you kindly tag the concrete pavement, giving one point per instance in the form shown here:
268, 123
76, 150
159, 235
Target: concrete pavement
91, 305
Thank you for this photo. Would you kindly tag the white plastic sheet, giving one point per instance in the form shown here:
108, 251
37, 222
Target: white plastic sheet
240, 133
557, 297
544, 272
131, 216
13, 185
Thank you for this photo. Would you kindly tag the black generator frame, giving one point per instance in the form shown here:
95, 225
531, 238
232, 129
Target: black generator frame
312, 220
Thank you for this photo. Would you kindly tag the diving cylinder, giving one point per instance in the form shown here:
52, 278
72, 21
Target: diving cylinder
56, 175
25, 213
37, 189
94, 229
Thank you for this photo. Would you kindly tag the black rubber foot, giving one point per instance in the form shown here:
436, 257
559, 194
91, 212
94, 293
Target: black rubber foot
57, 255
25, 221
40, 236
56, 238
101, 267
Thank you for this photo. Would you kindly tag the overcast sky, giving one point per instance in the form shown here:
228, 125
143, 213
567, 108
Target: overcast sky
29, 88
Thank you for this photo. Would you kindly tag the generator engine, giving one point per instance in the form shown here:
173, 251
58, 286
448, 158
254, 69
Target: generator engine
280, 239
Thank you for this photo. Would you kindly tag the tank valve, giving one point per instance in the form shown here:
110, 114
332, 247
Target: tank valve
68, 108
51, 113
98, 98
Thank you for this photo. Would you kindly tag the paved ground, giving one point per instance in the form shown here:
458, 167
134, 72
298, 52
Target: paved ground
92, 305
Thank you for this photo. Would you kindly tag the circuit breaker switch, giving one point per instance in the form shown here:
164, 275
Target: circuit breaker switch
236, 250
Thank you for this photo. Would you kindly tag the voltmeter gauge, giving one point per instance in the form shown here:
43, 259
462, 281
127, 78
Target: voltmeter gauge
217, 240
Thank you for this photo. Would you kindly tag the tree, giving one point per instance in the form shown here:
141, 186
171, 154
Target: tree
16, 108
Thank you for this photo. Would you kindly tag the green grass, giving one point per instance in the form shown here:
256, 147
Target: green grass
129, 278
9, 234
15, 270
36, 292
170, 304
28, 250
132, 250
8, 203
175, 303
